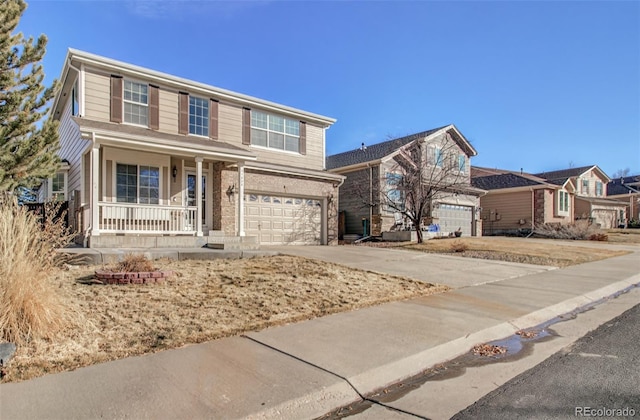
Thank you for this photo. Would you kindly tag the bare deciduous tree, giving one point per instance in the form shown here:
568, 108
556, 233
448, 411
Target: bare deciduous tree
420, 174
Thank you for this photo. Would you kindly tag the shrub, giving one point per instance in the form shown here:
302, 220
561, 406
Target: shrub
599, 237
581, 230
30, 306
458, 246
133, 263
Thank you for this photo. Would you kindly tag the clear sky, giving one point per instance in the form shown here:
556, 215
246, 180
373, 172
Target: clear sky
538, 85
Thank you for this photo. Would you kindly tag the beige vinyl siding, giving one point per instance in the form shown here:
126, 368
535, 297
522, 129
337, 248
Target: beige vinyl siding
97, 93
230, 131
230, 123
510, 207
354, 196
168, 111
71, 148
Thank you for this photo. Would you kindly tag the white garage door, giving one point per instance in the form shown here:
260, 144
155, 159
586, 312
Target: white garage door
451, 217
278, 220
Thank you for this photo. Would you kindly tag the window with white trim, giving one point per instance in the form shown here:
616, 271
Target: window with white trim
275, 132
58, 187
585, 186
462, 163
137, 184
599, 189
439, 158
136, 103
563, 202
394, 192
198, 116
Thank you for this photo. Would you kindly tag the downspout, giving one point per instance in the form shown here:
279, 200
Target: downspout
533, 209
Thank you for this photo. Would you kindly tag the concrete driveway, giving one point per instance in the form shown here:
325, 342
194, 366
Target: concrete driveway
455, 272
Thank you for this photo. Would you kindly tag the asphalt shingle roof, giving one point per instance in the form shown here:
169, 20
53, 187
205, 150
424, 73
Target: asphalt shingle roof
563, 174
374, 151
619, 185
497, 182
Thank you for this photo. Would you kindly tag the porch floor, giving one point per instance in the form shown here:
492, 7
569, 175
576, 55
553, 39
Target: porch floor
110, 255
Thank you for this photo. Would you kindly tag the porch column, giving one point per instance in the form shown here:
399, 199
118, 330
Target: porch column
95, 183
199, 196
241, 199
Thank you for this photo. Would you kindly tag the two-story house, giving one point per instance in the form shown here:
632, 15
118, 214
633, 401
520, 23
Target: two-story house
591, 201
155, 160
372, 171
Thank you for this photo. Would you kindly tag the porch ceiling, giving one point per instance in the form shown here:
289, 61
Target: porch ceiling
140, 138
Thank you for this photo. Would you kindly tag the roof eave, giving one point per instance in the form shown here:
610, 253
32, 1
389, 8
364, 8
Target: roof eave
181, 83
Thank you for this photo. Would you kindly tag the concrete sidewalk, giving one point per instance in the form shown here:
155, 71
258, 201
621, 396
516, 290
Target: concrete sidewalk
307, 369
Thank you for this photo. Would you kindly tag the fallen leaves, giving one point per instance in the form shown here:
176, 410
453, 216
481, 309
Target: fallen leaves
488, 350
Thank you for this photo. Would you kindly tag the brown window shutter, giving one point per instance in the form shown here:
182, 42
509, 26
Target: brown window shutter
303, 138
183, 117
246, 126
213, 119
116, 99
154, 112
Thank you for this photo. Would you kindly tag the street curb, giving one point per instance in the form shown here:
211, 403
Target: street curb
378, 378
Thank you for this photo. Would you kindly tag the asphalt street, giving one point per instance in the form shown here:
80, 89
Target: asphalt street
598, 376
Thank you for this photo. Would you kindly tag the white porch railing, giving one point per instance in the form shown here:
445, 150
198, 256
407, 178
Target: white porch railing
140, 218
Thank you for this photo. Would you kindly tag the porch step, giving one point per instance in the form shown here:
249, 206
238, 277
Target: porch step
235, 243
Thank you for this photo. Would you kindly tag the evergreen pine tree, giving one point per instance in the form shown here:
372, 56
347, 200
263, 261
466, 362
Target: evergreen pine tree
28, 139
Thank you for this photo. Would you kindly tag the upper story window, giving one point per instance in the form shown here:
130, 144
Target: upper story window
563, 202
462, 163
198, 116
136, 103
585, 186
275, 132
599, 189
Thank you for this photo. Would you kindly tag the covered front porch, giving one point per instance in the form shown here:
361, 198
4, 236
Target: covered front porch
148, 191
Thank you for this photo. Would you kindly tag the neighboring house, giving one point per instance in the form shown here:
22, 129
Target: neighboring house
591, 200
157, 160
368, 168
516, 201
627, 191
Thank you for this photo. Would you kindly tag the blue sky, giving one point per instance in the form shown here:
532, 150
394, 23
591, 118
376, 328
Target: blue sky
537, 85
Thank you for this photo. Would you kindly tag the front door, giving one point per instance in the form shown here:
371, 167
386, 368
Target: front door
191, 195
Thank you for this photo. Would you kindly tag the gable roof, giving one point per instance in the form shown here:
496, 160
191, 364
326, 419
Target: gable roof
559, 177
625, 185
386, 148
76, 58
502, 181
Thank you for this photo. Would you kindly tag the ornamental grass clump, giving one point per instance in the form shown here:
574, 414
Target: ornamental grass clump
132, 263
30, 307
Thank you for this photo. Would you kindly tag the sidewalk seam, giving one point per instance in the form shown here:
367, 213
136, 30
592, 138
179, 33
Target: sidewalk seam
362, 397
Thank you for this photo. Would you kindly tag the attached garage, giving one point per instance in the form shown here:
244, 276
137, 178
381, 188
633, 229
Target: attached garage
453, 216
281, 220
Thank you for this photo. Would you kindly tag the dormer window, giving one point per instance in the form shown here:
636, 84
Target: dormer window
136, 103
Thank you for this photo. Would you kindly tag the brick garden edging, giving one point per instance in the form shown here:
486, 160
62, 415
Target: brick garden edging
142, 277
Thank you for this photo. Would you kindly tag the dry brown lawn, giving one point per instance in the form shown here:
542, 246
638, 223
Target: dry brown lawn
204, 300
521, 250
624, 236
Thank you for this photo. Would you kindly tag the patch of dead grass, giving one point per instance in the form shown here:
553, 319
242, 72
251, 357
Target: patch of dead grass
204, 300
519, 250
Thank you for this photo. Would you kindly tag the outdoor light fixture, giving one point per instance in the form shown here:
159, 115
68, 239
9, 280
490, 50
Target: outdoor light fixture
174, 172
231, 191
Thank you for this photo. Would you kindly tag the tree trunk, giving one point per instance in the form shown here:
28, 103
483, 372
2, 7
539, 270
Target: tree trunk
419, 234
